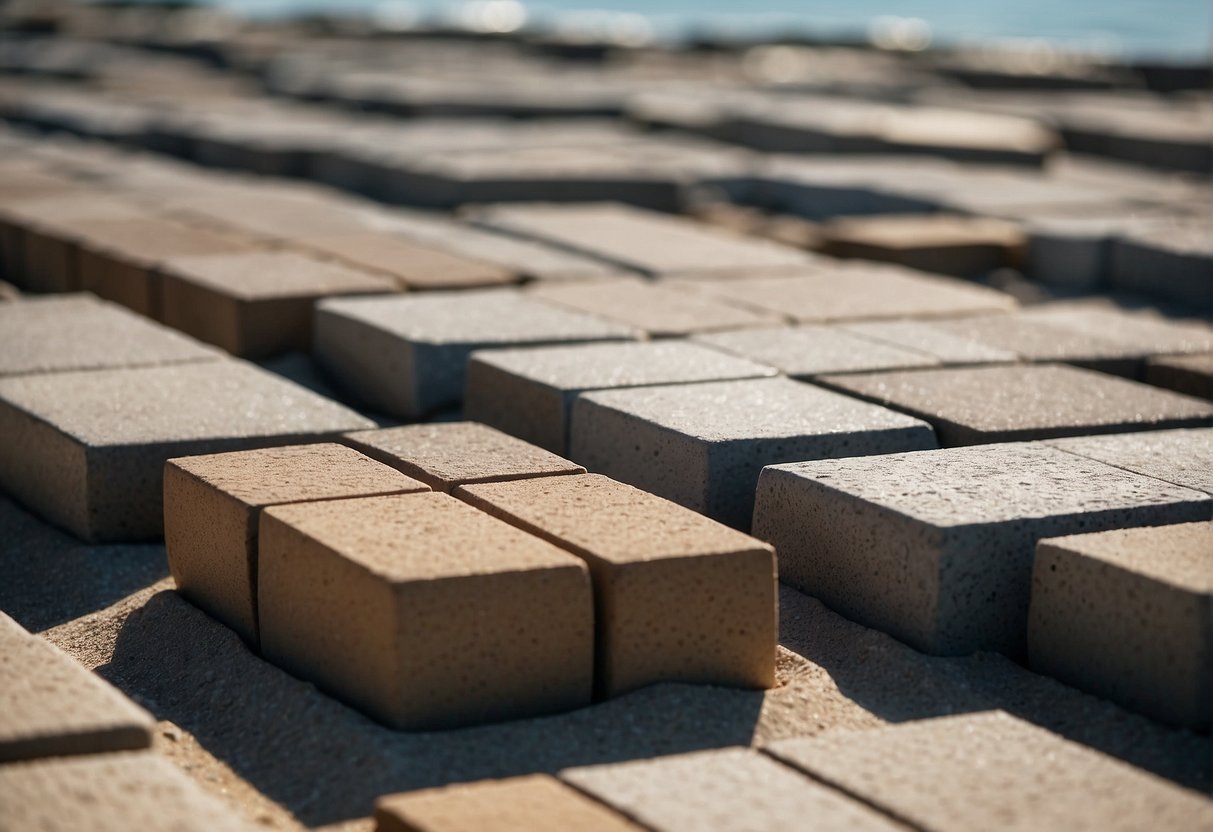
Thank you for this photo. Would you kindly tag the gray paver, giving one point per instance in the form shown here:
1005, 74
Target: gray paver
1183, 457
807, 351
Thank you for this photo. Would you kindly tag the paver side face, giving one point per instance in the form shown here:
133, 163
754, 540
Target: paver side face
936, 547
110, 793
678, 597
966, 772
1183, 457
456, 453
424, 612
51, 706
1189, 374
975, 405
536, 802
728, 790
1125, 615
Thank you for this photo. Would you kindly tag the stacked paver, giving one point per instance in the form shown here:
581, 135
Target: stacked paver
867, 316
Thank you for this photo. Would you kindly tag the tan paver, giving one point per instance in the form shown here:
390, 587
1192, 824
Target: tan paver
535, 802
703, 445
110, 793
212, 512
86, 450
943, 243
449, 454
1188, 374
529, 393
807, 351
256, 304
1183, 457
991, 769
976, 405
728, 790
423, 611
51, 706
679, 597
412, 264
1126, 615
936, 547
407, 356
80, 332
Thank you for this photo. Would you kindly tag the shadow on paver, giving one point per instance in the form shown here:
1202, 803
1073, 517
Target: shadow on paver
50, 577
325, 762
897, 683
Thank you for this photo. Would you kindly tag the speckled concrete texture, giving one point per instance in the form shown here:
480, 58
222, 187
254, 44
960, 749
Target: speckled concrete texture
729, 790
968, 772
1183, 457
110, 793
424, 612
1189, 374
678, 597
1126, 614
530, 393
407, 356
80, 332
976, 405
936, 547
51, 706
925, 337
87, 449
703, 445
212, 511
450, 454
256, 304
536, 802
807, 351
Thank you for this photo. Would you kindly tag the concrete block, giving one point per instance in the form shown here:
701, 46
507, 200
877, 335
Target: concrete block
679, 597
1191, 375
1126, 615
1141, 335
212, 512
808, 351
534, 802
86, 450
407, 356
644, 241
967, 772
530, 393
110, 793
256, 304
703, 445
423, 612
724, 790
79, 332
936, 548
946, 244
660, 311
1169, 260
851, 291
977, 405
412, 264
1182, 457
926, 338
52, 706
450, 454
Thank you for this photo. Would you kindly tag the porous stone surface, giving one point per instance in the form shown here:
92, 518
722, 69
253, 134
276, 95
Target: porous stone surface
1139, 334
660, 310
807, 351
1183, 457
212, 512
412, 264
424, 612
407, 356
450, 454
936, 547
259, 303
110, 793
86, 450
51, 706
537, 802
1188, 374
1036, 340
925, 337
703, 445
529, 393
80, 332
976, 405
679, 597
726, 790
1125, 614
962, 772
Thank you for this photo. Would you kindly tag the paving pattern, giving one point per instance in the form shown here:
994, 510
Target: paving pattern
687, 445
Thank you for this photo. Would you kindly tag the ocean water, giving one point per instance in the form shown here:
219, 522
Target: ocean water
1161, 29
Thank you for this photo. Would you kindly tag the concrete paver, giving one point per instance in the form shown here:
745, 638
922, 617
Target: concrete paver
925, 337
1188, 374
807, 351
1183, 457
946, 244
414, 265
